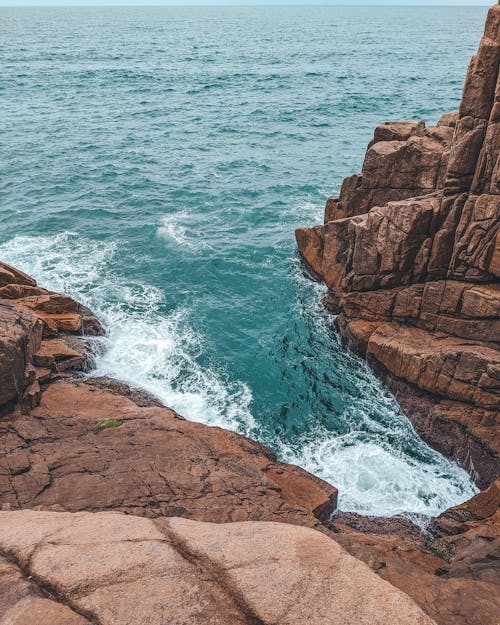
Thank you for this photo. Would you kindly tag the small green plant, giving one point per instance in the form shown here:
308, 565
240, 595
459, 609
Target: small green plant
109, 423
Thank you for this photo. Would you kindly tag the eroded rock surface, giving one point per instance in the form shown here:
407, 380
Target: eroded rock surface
88, 448
41, 337
123, 570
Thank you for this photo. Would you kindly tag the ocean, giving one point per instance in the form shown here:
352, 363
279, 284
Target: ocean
155, 163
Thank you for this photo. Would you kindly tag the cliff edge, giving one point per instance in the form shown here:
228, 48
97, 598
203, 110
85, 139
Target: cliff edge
410, 253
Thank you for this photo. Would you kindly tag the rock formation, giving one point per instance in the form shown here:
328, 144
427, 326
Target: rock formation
410, 252
410, 255
86, 447
41, 337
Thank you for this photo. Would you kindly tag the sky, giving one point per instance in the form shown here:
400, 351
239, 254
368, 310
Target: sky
244, 2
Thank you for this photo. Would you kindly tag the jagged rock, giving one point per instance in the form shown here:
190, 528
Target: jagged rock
414, 281
123, 570
20, 338
404, 159
459, 600
30, 320
11, 275
413, 285
475, 239
448, 119
455, 368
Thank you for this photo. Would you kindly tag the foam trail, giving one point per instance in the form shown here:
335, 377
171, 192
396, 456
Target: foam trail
381, 466
176, 229
144, 346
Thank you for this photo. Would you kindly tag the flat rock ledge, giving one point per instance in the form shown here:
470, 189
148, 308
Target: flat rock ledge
113, 569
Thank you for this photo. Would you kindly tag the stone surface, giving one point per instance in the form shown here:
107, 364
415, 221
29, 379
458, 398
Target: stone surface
450, 600
411, 254
122, 570
20, 338
87, 448
39, 333
404, 159
23, 602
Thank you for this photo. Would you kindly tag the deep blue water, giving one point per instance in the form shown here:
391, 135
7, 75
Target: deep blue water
155, 162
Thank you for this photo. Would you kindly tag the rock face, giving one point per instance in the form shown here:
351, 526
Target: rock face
40, 337
112, 569
410, 253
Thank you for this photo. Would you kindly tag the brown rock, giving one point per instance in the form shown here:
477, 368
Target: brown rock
475, 239
20, 337
450, 601
448, 119
398, 131
480, 83
22, 602
413, 281
454, 368
11, 275
53, 351
386, 247
86, 448
310, 244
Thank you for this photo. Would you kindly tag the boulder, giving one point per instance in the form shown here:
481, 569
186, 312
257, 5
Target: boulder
123, 570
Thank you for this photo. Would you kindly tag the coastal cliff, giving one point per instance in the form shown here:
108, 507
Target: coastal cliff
115, 510
410, 252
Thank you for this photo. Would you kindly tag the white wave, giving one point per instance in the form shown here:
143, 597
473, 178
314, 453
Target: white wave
374, 476
303, 212
380, 481
178, 229
144, 346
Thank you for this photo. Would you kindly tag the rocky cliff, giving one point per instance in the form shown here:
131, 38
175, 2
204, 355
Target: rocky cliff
410, 252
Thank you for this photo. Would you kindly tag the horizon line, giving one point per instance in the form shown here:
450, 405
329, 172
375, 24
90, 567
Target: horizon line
230, 3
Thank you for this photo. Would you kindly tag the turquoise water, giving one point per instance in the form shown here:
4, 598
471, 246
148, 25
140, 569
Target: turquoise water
155, 162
